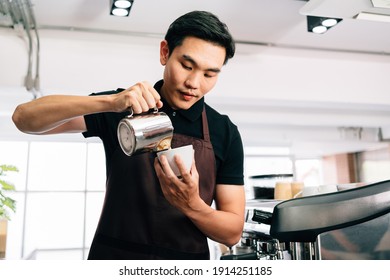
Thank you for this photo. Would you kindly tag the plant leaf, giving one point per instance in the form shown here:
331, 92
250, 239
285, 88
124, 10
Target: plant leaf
7, 167
4, 214
10, 203
7, 186
6, 202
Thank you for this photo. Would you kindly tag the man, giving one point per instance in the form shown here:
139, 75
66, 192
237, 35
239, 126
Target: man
148, 212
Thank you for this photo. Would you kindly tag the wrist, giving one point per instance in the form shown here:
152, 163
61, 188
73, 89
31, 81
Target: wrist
105, 103
197, 209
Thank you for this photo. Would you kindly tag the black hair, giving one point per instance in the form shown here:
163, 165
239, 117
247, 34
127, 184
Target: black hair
203, 25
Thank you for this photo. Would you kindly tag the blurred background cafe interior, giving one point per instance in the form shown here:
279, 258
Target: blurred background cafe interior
312, 106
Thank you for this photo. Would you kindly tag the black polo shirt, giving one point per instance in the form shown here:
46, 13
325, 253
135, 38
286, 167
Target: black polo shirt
225, 137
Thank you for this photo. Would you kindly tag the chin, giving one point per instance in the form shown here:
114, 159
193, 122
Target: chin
182, 104
185, 105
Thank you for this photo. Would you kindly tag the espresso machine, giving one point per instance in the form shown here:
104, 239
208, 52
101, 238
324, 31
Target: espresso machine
308, 228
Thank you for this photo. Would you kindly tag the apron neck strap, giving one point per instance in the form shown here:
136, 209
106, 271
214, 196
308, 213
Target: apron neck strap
205, 125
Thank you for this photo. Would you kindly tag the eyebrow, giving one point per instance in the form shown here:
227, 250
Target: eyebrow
190, 59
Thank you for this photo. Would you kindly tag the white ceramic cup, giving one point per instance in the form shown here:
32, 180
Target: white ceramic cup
327, 189
186, 153
307, 191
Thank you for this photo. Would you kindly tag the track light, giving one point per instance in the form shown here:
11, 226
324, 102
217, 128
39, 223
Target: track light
320, 25
121, 8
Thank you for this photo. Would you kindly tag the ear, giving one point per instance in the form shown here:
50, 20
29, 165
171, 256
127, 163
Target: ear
164, 52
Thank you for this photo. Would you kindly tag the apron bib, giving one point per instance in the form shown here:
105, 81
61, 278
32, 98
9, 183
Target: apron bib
137, 222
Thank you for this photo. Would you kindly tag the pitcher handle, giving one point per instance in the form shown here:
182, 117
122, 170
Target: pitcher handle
154, 111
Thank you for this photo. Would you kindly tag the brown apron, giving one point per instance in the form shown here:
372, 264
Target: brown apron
137, 222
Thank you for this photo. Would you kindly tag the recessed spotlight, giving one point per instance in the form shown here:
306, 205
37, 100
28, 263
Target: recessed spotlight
121, 8
122, 4
319, 29
320, 25
329, 22
120, 12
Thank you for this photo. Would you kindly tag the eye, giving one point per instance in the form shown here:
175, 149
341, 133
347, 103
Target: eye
210, 75
186, 66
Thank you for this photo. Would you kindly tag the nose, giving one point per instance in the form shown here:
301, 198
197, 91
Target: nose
193, 81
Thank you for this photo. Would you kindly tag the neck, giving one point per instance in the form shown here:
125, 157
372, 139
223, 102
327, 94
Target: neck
164, 95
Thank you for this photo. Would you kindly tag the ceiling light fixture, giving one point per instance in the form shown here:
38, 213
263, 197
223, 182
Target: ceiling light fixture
320, 25
120, 8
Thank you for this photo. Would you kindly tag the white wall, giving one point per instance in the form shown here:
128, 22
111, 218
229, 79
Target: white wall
259, 88
85, 61
308, 75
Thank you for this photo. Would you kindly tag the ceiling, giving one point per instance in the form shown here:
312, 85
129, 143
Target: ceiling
276, 23
264, 22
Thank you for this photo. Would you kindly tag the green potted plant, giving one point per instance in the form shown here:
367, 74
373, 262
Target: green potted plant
6, 204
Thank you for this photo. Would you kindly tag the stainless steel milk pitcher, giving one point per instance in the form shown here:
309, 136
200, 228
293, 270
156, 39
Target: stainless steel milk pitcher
145, 133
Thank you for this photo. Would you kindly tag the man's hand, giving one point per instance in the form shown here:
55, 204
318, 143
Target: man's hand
140, 97
182, 193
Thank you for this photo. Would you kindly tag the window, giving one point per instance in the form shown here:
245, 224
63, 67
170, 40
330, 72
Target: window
59, 193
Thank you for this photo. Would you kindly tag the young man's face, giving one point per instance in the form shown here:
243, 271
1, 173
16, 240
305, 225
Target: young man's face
191, 71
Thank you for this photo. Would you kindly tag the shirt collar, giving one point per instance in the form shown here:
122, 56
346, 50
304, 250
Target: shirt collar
192, 114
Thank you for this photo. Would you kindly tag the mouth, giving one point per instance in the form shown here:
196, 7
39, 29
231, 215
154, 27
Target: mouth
187, 96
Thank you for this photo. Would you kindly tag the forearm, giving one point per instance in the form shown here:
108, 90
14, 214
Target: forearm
48, 112
221, 226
